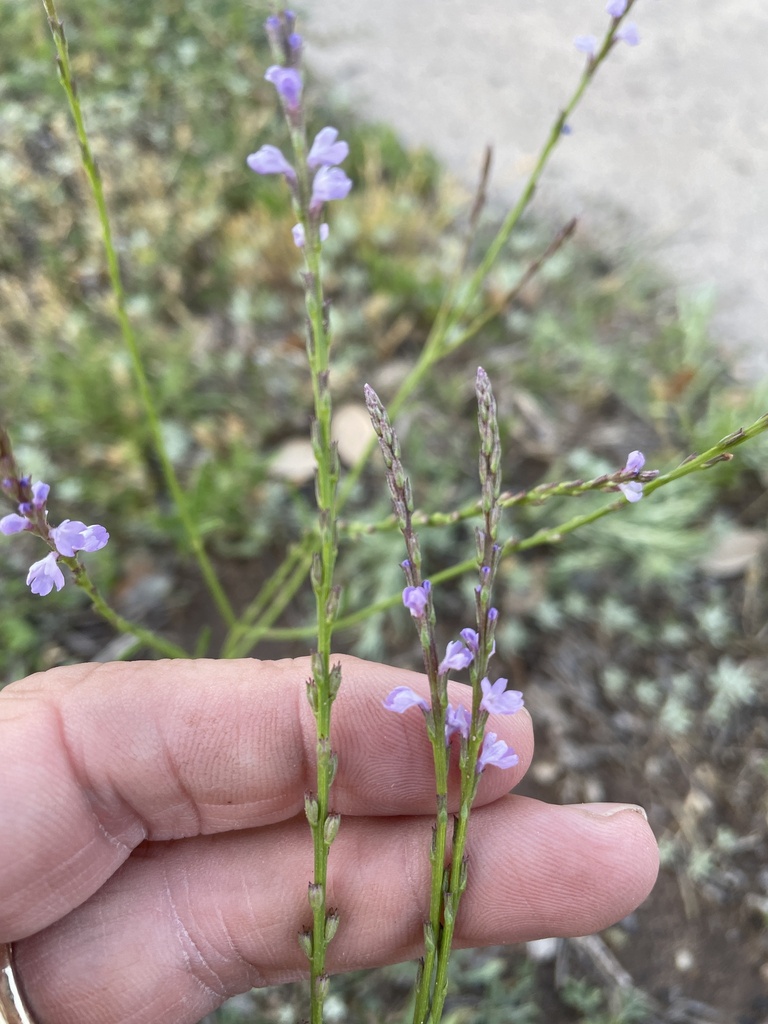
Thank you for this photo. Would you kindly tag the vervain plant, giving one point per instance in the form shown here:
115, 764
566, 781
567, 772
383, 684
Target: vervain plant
315, 178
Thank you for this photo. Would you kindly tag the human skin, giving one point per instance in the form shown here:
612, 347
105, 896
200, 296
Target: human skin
154, 855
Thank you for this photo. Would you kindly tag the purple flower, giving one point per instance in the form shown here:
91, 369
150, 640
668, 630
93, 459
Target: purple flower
287, 81
616, 8
416, 599
496, 752
632, 491
457, 657
326, 151
629, 34
330, 183
402, 698
635, 462
497, 700
44, 575
71, 536
457, 720
40, 492
300, 237
471, 639
269, 160
586, 44
13, 524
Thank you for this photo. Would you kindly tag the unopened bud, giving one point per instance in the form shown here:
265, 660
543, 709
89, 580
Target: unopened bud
311, 809
322, 986
335, 680
315, 895
331, 828
312, 695
331, 925
305, 941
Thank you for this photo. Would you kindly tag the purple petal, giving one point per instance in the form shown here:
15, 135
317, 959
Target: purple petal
44, 575
632, 491
471, 639
299, 237
416, 599
496, 752
330, 183
71, 536
269, 160
13, 524
94, 537
586, 44
635, 462
402, 698
326, 151
629, 34
497, 700
457, 720
616, 8
287, 81
457, 657
40, 492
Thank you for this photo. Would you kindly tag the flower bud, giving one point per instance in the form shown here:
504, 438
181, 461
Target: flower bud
315, 895
331, 925
311, 809
331, 828
305, 941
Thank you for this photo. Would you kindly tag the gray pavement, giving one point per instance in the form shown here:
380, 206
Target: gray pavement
669, 151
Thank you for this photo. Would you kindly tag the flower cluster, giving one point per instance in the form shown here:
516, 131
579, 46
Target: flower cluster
327, 150
66, 539
496, 698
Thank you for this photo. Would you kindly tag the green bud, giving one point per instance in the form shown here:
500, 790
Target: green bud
331, 925
312, 695
331, 828
315, 895
335, 679
429, 939
311, 809
322, 986
305, 941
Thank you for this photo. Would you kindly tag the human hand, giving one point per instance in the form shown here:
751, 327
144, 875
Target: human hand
154, 855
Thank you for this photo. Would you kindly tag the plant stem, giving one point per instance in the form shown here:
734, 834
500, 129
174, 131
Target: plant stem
126, 329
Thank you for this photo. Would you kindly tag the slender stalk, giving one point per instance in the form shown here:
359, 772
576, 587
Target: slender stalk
126, 329
122, 625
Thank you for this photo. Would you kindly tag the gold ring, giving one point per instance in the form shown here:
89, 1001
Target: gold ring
13, 1007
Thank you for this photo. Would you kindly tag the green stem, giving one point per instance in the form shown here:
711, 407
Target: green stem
129, 338
146, 636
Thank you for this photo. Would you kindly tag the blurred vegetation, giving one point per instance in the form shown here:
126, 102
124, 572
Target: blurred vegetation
595, 358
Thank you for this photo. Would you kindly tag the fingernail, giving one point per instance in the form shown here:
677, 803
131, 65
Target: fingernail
608, 810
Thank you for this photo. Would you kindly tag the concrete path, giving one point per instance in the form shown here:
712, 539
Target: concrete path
669, 151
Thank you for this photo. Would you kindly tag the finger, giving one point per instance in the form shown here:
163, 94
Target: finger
98, 758
184, 925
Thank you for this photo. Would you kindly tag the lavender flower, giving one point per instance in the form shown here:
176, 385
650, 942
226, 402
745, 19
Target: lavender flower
287, 81
616, 8
629, 34
330, 183
71, 536
633, 489
326, 151
586, 44
457, 657
416, 599
300, 238
269, 160
471, 639
40, 492
13, 524
495, 751
457, 720
402, 698
497, 700
44, 575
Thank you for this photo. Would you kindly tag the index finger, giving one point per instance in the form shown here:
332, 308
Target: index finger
98, 758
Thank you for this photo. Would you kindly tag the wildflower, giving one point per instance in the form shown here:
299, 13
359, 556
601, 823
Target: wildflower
456, 720
457, 657
496, 752
287, 81
326, 151
40, 492
616, 8
402, 698
586, 44
633, 489
71, 536
629, 34
13, 524
497, 700
330, 183
416, 599
471, 639
269, 160
300, 238
44, 575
